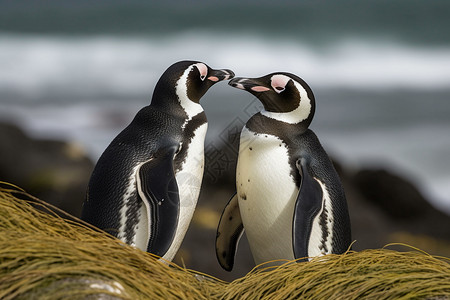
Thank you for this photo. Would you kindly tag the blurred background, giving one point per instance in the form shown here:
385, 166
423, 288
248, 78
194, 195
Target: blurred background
73, 73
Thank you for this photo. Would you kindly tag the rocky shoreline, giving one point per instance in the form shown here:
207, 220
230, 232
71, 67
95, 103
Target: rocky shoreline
384, 207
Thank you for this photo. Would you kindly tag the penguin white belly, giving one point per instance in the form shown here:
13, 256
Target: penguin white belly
189, 180
267, 194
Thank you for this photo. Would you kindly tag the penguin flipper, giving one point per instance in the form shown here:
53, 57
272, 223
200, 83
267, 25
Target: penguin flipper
307, 206
158, 189
229, 232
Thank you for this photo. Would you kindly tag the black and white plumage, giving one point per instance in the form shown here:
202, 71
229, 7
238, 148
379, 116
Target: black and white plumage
289, 199
145, 186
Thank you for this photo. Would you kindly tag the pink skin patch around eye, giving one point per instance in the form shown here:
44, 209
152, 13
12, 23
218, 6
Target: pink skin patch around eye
259, 88
202, 69
213, 78
279, 82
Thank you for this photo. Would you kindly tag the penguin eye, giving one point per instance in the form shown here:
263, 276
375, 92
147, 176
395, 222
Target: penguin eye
202, 70
279, 82
279, 89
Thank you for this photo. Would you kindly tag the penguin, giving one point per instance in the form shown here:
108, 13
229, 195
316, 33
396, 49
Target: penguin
289, 198
144, 187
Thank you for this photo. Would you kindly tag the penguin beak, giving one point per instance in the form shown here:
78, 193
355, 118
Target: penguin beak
219, 75
248, 84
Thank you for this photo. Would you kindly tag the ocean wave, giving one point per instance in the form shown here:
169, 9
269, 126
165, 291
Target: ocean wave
370, 93
36, 67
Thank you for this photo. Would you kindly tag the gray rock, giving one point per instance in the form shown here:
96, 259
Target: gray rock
55, 171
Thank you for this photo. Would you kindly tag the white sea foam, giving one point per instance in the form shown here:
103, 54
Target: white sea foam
33, 66
87, 89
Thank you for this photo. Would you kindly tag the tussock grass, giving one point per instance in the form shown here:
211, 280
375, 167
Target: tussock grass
369, 274
45, 256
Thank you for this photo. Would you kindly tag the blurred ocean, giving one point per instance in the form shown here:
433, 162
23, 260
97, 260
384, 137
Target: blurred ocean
380, 71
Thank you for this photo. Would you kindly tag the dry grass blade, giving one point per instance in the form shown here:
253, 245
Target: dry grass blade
42, 254
369, 274
45, 256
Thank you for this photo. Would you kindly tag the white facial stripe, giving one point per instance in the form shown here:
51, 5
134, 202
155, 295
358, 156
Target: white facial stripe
203, 69
239, 86
190, 107
279, 82
297, 115
227, 77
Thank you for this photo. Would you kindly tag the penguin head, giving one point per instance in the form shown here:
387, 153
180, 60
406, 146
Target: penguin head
285, 96
190, 80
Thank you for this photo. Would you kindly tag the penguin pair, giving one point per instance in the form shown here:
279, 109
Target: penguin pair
289, 199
